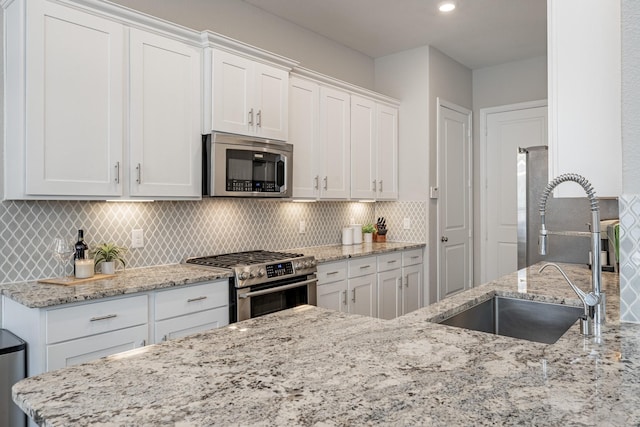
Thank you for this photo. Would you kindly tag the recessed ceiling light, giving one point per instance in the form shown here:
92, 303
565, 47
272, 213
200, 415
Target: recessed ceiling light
446, 6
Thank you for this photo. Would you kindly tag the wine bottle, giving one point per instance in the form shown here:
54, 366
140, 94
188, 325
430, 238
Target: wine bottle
80, 249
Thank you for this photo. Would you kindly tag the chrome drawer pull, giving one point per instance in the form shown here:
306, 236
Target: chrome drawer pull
362, 267
108, 316
332, 273
197, 299
392, 261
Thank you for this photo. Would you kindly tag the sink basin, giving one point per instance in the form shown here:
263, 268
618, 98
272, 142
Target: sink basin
512, 317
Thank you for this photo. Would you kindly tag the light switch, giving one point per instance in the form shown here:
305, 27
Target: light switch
302, 227
406, 224
137, 238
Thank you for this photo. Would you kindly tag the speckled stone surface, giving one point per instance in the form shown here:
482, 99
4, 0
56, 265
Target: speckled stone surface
338, 252
311, 366
39, 295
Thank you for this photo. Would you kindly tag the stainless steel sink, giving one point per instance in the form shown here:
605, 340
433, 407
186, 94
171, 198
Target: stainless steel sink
512, 317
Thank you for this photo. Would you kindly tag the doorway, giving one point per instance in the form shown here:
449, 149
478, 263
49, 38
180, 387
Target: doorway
502, 131
455, 223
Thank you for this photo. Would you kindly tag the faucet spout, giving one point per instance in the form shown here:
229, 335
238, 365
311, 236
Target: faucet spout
596, 266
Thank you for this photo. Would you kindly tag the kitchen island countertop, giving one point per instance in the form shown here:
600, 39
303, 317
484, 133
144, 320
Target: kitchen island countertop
310, 365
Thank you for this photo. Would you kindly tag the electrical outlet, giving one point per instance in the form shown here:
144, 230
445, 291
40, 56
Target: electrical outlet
406, 224
137, 238
302, 227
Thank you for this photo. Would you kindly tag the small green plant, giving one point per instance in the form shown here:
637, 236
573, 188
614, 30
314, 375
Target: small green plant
108, 252
368, 228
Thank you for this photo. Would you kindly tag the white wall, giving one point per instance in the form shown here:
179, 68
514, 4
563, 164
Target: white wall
249, 24
503, 84
630, 96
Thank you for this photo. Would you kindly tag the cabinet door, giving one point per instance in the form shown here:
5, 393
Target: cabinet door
182, 326
335, 134
232, 88
74, 109
165, 117
363, 161
387, 152
390, 294
412, 283
304, 103
82, 350
333, 296
362, 295
271, 101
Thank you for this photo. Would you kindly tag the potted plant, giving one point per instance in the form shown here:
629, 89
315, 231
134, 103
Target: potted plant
107, 255
367, 231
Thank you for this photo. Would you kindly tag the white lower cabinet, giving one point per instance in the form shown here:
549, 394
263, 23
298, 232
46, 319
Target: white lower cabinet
70, 334
85, 349
348, 286
384, 286
186, 310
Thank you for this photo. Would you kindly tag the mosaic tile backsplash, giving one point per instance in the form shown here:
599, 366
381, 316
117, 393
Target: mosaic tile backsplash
630, 258
175, 230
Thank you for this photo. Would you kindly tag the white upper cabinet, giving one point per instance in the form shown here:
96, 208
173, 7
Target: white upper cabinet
165, 142
387, 152
304, 107
68, 77
334, 143
585, 94
363, 148
110, 111
249, 97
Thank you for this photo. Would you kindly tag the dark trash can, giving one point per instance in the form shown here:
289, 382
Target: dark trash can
13, 368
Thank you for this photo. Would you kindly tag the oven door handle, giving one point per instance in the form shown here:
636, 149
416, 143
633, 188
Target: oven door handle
277, 288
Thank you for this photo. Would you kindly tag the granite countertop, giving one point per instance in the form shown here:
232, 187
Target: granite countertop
339, 252
41, 295
310, 365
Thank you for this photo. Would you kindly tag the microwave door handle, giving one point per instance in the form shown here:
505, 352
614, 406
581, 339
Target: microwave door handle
280, 173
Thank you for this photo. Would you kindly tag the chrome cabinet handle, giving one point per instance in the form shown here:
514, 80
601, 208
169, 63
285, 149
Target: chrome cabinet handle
259, 118
444, 239
316, 183
98, 318
392, 261
325, 182
380, 186
362, 267
117, 172
139, 174
353, 295
374, 186
399, 280
164, 338
344, 297
331, 273
143, 343
251, 117
197, 298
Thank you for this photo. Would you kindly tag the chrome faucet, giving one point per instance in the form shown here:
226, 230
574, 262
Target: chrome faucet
594, 301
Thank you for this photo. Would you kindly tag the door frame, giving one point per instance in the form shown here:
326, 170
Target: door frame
484, 220
441, 103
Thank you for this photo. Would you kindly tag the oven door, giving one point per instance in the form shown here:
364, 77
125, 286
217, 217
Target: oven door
259, 300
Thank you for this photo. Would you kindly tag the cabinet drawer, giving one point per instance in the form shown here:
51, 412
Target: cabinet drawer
191, 299
389, 261
332, 272
412, 257
182, 326
96, 318
362, 266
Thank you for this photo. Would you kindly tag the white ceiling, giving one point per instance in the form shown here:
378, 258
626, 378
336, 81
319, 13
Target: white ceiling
479, 33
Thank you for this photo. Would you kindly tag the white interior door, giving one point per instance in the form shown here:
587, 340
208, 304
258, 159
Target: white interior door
505, 131
454, 204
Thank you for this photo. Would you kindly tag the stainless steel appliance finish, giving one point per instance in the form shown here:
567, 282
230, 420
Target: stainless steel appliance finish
516, 318
265, 282
562, 214
13, 368
242, 166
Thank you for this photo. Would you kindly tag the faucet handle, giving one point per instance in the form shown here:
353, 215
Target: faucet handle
591, 299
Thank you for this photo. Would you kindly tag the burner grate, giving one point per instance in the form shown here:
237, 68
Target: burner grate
237, 259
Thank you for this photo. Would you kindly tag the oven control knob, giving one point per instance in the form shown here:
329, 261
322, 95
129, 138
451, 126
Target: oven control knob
261, 272
243, 275
307, 264
297, 265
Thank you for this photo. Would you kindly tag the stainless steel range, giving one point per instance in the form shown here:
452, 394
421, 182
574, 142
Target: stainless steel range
265, 282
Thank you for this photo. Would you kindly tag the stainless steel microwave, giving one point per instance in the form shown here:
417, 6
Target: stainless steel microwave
243, 166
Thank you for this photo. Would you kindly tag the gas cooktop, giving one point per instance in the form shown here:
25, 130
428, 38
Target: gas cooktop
238, 259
